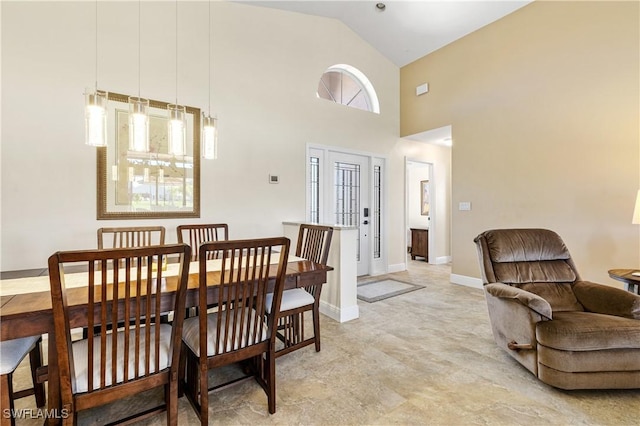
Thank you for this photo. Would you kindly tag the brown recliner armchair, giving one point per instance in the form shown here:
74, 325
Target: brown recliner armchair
571, 334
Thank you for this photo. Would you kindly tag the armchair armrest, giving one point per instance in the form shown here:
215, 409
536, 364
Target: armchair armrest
515, 314
603, 299
530, 300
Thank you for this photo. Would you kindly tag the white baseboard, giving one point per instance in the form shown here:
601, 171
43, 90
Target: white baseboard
442, 260
398, 267
337, 314
466, 281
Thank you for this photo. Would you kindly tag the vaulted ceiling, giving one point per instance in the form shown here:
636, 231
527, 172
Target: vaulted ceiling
404, 31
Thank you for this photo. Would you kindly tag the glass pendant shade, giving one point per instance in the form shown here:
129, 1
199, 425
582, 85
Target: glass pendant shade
138, 124
177, 129
209, 137
95, 117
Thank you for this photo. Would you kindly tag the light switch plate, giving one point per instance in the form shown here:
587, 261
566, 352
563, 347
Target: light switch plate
464, 205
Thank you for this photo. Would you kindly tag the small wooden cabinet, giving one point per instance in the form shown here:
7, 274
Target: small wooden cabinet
419, 243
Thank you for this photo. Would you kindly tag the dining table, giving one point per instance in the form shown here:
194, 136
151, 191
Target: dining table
25, 307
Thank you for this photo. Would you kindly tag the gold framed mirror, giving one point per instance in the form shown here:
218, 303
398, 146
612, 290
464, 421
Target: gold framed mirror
154, 184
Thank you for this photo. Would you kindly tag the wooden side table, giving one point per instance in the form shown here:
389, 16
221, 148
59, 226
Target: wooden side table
626, 276
420, 243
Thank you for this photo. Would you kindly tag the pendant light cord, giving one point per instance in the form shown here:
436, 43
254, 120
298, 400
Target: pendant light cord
176, 52
209, 58
96, 46
139, 24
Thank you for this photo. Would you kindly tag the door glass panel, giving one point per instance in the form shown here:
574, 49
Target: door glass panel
377, 213
347, 193
314, 189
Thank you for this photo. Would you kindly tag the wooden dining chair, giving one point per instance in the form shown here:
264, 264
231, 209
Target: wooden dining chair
12, 352
194, 235
123, 362
237, 330
314, 242
131, 236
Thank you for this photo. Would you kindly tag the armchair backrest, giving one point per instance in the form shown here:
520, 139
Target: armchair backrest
535, 260
520, 256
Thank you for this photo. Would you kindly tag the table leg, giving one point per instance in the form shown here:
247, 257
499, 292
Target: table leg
53, 400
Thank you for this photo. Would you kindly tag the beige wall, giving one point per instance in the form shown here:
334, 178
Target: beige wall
266, 67
544, 108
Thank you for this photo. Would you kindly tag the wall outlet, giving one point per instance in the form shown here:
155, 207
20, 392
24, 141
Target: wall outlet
464, 205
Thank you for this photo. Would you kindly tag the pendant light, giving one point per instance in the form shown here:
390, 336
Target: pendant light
138, 112
177, 114
209, 132
95, 108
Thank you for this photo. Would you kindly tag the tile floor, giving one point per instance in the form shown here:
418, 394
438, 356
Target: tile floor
421, 358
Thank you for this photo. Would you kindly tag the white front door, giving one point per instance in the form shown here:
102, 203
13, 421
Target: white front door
350, 206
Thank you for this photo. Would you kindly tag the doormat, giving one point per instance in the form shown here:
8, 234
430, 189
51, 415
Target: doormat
380, 290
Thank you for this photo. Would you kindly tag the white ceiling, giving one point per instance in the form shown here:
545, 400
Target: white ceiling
405, 30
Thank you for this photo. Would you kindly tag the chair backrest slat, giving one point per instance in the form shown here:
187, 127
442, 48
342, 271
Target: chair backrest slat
197, 234
314, 242
132, 236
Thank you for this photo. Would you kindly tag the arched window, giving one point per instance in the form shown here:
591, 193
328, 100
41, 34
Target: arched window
348, 86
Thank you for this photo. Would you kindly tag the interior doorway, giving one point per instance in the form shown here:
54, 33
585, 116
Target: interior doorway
420, 211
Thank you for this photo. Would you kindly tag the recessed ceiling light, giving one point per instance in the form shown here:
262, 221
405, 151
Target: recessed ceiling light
381, 6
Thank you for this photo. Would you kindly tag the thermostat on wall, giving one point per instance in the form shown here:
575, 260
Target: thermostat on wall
274, 179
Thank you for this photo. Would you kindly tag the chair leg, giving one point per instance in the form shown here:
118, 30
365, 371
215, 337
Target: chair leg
316, 326
270, 375
203, 374
70, 420
182, 366
6, 401
197, 386
171, 401
35, 359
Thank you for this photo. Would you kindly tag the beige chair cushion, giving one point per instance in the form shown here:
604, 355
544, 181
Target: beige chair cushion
81, 354
291, 299
244, 337
12, 352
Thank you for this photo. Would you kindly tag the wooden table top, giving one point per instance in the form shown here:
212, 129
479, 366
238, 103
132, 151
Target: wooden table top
31, 307
624, 275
